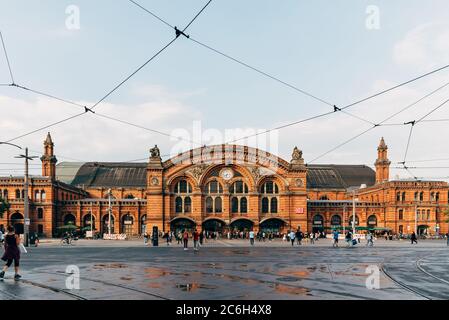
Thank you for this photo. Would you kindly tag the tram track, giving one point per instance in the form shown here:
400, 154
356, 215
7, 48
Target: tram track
63, 274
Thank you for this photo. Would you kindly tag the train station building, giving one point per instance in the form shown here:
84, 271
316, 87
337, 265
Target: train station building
222, 188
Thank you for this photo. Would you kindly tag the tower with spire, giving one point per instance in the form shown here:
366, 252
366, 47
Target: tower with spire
48, 159
382, 163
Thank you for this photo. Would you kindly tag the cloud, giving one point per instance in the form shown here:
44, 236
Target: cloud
424, 47
90, 137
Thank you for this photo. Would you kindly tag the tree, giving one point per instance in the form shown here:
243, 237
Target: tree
4, 206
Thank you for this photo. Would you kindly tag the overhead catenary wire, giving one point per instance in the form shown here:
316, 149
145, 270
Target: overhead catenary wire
7, 58
86, 110
382, 123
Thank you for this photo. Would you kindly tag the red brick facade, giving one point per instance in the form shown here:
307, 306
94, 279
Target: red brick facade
227, 187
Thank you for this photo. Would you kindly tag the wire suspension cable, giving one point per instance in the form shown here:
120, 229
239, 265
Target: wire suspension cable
7, 59
153, 14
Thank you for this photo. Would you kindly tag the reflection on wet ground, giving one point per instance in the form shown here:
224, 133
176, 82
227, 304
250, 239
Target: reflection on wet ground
218, 273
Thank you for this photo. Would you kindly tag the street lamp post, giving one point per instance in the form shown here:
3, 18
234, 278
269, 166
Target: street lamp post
26, 200
109, 217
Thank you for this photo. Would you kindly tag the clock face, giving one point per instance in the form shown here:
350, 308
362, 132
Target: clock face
227, 174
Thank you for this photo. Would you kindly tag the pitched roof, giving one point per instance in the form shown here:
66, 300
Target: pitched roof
339, 176
102, 174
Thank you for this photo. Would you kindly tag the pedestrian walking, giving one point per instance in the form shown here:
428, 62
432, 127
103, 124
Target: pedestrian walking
312, 238
369, 240
298, 236
292, 237
185, 238
201, 238
196, 240
335, 237
251, 237
413, 238
263, 236
12, 253
145, 239
348, 238
447, 239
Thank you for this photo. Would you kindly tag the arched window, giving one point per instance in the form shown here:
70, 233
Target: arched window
43, 195
274, 205
403, 197
183, 202
265, 205
239, 201
37, 196
270, 187
428, 215
209, 205
178, 205
324, 197
183, 187
243, 205
416, 196
418, 213
398, 196
218, 205
336, 220
437, 197
270, 201
129, 196
432, 196
401, 229
23, 194
5, 194
214, 201
17, 194
234, 205
421, 196
188, 205
239, 187
401, 214
213, 187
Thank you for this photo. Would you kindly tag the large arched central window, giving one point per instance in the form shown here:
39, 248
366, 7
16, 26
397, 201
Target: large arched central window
214, 197
239, 197
183, 201
270, 197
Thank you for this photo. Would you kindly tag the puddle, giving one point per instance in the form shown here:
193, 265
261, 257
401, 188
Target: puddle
110, 266
291, 290
191, 287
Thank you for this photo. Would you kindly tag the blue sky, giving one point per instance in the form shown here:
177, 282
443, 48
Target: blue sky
320, 46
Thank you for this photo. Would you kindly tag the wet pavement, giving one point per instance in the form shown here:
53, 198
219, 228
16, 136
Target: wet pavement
232, 270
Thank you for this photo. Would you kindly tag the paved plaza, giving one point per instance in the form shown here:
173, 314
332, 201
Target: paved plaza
226, 269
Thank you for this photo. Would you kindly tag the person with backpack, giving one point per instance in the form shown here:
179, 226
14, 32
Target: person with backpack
185, 239
292, 237
413, 238
12, 253
335, 236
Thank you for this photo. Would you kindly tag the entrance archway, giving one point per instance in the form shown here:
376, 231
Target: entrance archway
69, 219
423, 229
127, 224
17, 222
372, 222
87, 222
318, 224
214, 225
182, 224
273, 225
241, 225
105, 224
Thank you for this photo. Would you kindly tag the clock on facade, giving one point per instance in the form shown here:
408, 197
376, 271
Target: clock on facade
227, 174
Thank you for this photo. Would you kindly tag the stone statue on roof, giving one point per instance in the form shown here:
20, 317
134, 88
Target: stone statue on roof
297, 154
155, 152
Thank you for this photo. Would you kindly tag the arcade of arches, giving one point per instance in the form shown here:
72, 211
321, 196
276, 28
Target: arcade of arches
223, 188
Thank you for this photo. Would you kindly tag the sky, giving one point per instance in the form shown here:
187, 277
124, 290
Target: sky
338, 50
